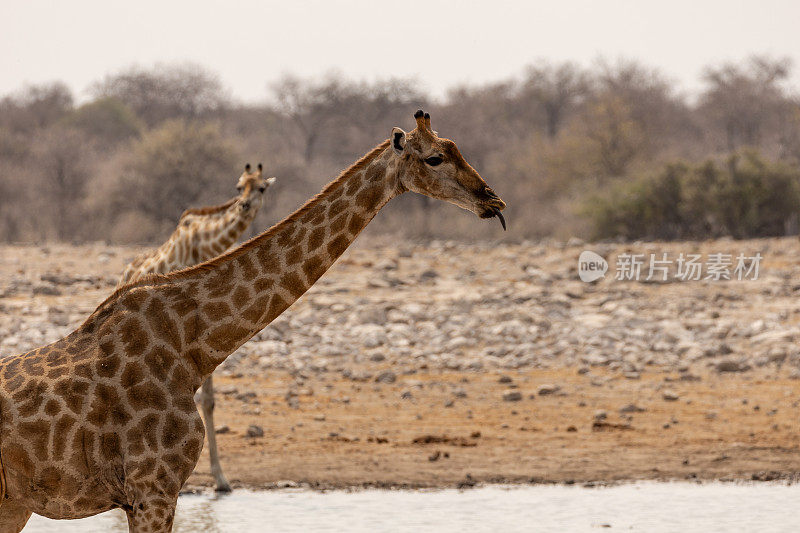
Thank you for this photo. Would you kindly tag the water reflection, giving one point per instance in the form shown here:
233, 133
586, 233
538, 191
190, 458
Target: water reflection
649, 507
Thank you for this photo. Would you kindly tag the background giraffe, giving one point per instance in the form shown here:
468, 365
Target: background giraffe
105, 418
202, 234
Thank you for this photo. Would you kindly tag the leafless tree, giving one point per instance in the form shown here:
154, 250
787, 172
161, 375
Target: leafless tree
165, 92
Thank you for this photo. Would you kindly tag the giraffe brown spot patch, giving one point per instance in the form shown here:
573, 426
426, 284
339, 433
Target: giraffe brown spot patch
335, 194
277, 305
14, 383
30, 398
147, 395
132, 375
266, 256
224, 338
192, 448
185, 404
83, 449
69, 486
110, 446
198, 358
62, 426
148, 427
337, 207
12, 367
104, 397
134, 299
254, 313
55, 359
295, 255
353, 186
337, 246
135, 441
299, 234
313, 268
182, 305
133, 336
292, 282
249, 271
32, 366
16, 458
316, 238
241, 296
107, 366
369, 197
84, 370
311, 215
73, 392
165, 481
37, 437
173, 461
375, 172
263, 284
159, 361
51, 407
356, 224
81, 347
216, 311
144, 468
49, 479
162, 324
338, 225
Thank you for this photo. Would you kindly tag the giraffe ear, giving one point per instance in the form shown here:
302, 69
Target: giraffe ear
398, 141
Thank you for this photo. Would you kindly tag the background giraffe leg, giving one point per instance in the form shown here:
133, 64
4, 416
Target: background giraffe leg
13, 517
207, 405
152, 515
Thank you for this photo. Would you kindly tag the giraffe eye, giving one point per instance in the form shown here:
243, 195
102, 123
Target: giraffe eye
434, 160
239, 188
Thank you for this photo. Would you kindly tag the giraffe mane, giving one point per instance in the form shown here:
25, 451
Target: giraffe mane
209, 210
162, 279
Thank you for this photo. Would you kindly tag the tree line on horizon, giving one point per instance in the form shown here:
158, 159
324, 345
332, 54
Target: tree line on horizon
610, 151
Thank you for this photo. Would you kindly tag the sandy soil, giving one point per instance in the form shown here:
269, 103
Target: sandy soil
388, 372
721, 427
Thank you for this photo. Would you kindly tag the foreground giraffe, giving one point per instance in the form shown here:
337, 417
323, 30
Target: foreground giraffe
105, 417
203, 234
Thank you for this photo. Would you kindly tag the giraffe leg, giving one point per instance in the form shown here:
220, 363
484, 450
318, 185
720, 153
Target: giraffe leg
207, 404
154, 514
13, 516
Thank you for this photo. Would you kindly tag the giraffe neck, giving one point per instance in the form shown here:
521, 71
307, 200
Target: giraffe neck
219, 232
242, 291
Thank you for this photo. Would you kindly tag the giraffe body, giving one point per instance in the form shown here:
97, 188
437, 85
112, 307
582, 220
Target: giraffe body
201, 235
105, 417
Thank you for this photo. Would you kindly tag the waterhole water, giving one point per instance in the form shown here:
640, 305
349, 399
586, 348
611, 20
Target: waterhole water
648, 507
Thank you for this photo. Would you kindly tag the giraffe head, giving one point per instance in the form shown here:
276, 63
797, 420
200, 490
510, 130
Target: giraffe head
433, 166
251, 187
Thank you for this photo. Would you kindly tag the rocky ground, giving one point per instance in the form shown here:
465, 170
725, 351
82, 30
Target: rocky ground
449, 364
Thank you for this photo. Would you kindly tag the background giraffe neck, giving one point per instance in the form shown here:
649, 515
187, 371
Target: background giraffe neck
242, 291
224, 229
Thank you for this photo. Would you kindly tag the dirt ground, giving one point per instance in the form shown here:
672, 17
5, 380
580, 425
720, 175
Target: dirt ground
347, 434
446, 365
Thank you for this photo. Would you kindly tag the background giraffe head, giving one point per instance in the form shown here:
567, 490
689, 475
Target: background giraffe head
251, 187
433, 166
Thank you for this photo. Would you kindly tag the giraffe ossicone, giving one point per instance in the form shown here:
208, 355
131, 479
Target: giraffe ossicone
118, 392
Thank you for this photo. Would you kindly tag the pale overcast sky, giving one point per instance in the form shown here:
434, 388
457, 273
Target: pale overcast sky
250, 43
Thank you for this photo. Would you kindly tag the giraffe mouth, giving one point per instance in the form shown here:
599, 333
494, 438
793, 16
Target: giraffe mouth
491, 212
